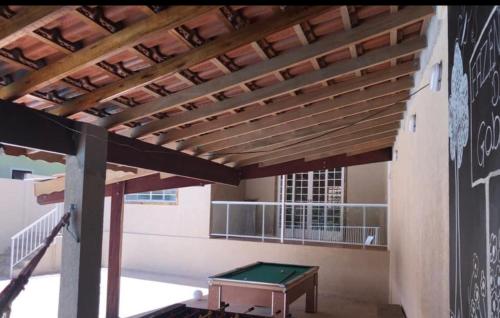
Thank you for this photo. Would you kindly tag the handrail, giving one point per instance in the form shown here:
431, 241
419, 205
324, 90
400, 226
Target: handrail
301, 221
16, 285
29, 239
45, 216
347, 205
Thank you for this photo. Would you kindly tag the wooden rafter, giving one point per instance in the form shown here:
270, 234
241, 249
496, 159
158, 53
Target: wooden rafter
182, 61
29, 19
102, 49
330, 43
380, 143
339, 148
299, 165
336, 69
236, 85
341, 88
326, 111
250, 151
325, 141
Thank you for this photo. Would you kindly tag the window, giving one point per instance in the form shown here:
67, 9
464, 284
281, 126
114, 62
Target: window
315, 186
19, 174
161, 196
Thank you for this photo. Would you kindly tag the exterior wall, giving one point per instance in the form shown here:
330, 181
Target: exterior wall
349, 273
174, 240
419, 208
366, 183
39, 167
18, 208
261, 189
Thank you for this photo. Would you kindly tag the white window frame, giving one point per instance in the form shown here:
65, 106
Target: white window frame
310, 193
153, 197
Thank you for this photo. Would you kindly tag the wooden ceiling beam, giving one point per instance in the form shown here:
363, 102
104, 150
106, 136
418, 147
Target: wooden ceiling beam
364, 108
290, 138
337, 89
323, 46
202, 53
152, 182
346, 20
307, 79
356, 148
28, 19
339, 148
312, 145
393, 35
47, 132
102, 49
296, 166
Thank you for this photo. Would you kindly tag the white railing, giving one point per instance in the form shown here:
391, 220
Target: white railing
358, 224
29, 239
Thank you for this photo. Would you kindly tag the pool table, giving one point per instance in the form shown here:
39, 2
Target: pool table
265, 285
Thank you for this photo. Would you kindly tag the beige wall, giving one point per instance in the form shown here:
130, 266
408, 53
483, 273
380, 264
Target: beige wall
174, 240
350, 273
418, 217
18, 208
261, 189
366, 183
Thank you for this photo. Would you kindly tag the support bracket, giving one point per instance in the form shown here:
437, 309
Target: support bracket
71, 226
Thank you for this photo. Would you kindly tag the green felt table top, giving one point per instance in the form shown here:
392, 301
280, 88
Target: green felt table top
267, 273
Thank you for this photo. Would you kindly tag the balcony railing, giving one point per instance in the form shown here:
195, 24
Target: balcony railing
354, 224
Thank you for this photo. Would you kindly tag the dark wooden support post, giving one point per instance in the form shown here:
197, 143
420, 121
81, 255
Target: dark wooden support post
115, 250
82, 240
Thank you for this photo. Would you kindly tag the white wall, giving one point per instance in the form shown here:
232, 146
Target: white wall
18, 208
419, 209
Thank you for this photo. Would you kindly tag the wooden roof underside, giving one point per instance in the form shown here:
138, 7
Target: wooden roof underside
239, 85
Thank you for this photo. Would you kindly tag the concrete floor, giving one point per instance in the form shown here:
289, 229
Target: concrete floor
335, 307
40, 297
328, 307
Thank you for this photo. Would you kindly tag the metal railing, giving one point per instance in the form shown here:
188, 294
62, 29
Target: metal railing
357, 224
28, 240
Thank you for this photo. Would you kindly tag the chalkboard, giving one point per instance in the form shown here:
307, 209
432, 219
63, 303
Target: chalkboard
474, 160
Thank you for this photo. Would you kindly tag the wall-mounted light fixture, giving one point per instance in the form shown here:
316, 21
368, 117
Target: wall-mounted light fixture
412, 123
435, 82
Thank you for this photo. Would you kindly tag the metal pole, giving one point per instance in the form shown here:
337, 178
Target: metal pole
282, 208
263, 221
303, 224
227, 221
12, 243
364, 225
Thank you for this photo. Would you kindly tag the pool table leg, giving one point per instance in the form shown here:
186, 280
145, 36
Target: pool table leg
279, 307
312, 296
214, 297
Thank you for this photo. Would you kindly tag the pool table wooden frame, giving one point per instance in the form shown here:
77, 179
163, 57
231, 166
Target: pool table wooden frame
276, 296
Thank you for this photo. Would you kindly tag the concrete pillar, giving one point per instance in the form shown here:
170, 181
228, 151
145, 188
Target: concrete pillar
81, 260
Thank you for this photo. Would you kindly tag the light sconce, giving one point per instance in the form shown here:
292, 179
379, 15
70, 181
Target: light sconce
412, 123
435, 82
